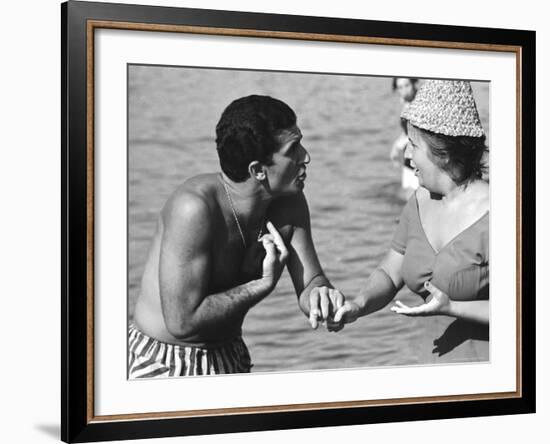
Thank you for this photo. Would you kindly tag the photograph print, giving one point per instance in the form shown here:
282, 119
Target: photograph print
290, 221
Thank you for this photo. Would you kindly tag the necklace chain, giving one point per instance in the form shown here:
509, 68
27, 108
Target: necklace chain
234, 212
260, 231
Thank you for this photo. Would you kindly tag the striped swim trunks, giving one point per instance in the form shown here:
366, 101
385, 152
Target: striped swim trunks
150, 358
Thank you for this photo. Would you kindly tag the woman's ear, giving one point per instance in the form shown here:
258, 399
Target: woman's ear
257, 170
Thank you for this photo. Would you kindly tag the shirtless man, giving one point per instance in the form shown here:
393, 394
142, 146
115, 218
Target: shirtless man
221, 244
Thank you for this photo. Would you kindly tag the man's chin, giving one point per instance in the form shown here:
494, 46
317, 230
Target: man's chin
293, 189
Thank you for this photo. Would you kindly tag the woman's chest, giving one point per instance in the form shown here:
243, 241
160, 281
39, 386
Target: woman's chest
440, 227
459, 259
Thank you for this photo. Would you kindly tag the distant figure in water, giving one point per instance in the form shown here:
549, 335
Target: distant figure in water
406, 88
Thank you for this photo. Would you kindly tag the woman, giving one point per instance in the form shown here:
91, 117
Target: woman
441, 246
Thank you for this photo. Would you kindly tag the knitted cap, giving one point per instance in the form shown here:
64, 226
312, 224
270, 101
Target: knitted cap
445, 107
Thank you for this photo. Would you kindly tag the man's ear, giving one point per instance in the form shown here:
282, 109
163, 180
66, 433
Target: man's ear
257, 170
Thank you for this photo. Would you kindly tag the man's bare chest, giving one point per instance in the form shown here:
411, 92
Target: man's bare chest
232, 264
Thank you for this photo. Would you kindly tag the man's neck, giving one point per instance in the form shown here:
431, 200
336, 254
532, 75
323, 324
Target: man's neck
249, 199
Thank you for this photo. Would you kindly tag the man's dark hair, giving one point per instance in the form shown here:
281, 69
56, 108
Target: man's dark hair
462, 157
246, 132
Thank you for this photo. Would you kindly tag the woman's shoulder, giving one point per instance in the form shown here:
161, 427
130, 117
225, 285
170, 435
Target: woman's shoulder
474, 215
479, 200
482, 189
485, 195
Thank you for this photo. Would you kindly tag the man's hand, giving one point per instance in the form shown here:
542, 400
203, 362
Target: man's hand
276, 255
324, 302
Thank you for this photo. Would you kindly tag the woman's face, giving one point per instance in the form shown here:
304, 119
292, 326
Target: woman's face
429, 173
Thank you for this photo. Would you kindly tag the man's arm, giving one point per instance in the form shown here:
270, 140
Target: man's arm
316, 295
185, 271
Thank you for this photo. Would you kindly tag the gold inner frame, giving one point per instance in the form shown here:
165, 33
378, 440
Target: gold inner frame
95, 24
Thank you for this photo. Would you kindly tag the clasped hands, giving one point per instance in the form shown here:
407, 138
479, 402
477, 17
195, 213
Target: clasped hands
324, 303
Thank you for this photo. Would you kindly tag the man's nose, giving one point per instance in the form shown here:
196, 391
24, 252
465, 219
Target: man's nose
307, 157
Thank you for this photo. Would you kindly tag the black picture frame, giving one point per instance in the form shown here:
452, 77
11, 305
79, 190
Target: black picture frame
78, 423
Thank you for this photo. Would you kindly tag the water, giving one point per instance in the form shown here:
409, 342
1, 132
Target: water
349, 124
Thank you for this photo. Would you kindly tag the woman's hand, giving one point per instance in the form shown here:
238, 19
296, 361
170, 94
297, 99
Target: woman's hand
439, 304
347, 314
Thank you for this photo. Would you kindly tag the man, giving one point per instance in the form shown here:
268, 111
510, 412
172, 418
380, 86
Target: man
220, 247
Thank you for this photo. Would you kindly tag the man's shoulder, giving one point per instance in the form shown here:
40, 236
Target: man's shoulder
192, 201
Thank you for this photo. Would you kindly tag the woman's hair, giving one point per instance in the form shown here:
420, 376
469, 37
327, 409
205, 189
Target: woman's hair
246, 132
394, 81
462, 157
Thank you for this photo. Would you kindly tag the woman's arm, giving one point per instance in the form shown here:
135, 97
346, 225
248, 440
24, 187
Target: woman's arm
381, 287
477, 311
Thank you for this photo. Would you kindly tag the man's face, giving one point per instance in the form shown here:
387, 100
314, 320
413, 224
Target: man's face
287, 173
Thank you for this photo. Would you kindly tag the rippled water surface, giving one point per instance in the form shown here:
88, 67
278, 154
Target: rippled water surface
349, 124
